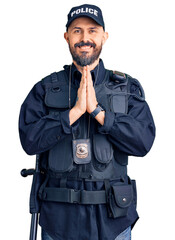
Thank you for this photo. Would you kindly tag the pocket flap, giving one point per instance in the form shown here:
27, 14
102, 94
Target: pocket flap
123, 195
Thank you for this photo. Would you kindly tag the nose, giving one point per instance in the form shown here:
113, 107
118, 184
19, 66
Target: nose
85, 36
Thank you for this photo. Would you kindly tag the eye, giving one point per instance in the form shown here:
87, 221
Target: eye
92, 31
77, 31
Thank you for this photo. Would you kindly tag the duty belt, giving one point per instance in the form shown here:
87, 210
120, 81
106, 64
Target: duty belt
73, 196
117, 197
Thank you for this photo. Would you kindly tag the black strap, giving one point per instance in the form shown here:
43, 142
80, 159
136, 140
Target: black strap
108, 196
73, 196
63, 182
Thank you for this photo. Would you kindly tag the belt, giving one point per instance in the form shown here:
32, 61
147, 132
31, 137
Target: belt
73, 196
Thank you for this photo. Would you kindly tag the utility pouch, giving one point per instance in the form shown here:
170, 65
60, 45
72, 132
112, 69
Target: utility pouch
120, 197
120, 157
81, 151
103, 151
60, 156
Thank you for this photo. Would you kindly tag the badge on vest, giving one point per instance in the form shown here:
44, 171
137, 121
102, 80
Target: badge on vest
81, 151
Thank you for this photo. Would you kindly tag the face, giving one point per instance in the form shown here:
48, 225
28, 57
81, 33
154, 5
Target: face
85, 38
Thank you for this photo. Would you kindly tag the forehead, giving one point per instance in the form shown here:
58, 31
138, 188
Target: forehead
84, 22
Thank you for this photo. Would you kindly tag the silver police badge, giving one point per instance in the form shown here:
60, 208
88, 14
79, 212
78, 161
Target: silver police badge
81, 151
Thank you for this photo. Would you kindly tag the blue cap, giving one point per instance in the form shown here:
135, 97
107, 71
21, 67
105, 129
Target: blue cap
86, 10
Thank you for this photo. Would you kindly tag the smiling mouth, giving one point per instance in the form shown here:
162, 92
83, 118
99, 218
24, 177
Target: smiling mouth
85, 47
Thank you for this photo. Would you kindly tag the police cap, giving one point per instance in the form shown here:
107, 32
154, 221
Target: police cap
86, 10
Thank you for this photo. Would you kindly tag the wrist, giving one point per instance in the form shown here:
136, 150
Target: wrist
90, 110
96, 111
78, 111
74, 114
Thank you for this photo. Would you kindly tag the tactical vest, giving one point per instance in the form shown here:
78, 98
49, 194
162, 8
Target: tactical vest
107, 162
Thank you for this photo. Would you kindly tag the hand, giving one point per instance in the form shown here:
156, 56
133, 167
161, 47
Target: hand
81, 95
91, 100
86, 99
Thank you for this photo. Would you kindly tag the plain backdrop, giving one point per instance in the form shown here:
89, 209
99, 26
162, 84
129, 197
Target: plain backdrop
141, 43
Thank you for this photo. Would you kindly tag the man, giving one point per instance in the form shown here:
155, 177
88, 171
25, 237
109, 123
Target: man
83, 122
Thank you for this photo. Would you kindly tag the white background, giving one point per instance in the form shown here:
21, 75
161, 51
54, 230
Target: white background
141, 43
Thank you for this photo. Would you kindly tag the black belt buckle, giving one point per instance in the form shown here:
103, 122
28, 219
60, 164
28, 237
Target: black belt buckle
74, 196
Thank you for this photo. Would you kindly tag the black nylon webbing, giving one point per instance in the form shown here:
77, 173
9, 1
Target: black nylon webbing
73, 196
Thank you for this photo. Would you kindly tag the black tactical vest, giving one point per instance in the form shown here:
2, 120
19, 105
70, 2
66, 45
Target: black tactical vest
107, 162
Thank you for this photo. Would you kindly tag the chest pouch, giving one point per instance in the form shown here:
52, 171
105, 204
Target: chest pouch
103, 151
57, 96
57, 91
60, 157
118, 98
112, 94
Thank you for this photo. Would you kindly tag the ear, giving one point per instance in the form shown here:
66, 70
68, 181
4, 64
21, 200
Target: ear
66, 37
105, 37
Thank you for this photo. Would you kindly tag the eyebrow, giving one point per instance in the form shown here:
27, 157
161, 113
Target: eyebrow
88, 28
76, 28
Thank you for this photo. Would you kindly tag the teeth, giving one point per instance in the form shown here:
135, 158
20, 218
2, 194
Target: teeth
85, 47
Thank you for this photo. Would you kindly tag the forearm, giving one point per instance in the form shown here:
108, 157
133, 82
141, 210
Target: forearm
74, 115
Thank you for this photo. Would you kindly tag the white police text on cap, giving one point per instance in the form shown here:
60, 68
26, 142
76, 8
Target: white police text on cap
85, 10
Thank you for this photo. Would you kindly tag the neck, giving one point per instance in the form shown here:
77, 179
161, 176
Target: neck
91, 67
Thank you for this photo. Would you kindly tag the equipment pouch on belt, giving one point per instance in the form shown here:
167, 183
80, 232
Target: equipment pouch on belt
120, 197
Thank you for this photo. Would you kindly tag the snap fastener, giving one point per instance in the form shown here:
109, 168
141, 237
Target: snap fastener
124, 200
56, 89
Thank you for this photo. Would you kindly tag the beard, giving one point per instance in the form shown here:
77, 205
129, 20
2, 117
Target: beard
83, 59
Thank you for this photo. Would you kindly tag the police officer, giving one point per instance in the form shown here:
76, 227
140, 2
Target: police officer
83, 122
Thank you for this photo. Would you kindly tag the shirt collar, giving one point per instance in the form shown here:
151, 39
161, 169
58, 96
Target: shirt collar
76, 75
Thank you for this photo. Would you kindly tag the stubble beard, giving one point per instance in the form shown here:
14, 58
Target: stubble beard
84, 60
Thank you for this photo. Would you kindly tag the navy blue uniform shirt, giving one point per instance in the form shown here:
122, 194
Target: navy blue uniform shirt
132, 133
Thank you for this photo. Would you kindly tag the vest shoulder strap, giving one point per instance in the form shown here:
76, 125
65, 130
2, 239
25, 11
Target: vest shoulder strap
134, 87
54, 78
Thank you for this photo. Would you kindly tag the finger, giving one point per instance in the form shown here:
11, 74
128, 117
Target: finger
89, 77
83, 80
85, 74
